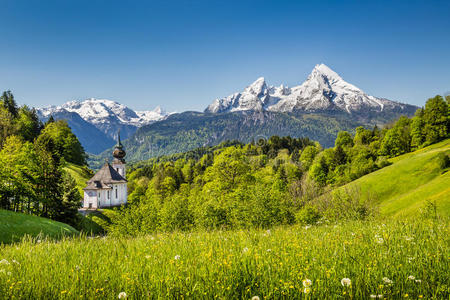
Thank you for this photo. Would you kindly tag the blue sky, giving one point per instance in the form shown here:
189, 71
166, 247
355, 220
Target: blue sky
183, 54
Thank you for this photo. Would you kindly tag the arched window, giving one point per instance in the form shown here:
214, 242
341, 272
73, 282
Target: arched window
116, 193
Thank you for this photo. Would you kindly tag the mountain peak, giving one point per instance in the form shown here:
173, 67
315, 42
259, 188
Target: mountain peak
258, 87
323, 90
324, 70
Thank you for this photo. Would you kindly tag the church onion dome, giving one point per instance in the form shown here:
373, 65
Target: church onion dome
118, 151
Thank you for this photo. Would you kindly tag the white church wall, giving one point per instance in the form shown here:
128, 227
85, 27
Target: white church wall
90, 199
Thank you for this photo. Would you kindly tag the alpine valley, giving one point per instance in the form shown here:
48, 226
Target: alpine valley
318, 108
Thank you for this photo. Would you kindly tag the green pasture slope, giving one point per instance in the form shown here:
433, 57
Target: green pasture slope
13, 226
413, 180
80, 174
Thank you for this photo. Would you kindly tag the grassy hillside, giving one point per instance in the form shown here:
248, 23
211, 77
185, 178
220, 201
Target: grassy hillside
80, 174
413, 180
13, 226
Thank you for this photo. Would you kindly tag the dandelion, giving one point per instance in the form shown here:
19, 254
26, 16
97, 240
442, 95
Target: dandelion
307, 283
255, 298
4, 262
346, 282
122, 295
177, 257
307, 290
410, 277
387, 280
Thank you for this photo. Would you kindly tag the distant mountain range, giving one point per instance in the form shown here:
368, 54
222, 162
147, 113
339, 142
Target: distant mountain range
323, 90
97, 121
318, 108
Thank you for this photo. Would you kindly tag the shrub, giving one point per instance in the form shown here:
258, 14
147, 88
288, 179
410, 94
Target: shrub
308, 215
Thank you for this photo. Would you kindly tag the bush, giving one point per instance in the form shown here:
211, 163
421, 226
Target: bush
308, 215
443, 161
346, 204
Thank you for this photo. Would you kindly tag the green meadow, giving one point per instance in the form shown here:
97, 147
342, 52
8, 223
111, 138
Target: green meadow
385, 259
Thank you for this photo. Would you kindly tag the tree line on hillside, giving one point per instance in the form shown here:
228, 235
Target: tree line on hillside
273, 182
32, 160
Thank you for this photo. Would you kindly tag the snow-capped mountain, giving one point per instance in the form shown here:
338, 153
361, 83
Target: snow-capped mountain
99, 111
105, 115
323, 90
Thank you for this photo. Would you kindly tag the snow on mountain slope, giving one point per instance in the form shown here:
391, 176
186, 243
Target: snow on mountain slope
100, 111
323, 90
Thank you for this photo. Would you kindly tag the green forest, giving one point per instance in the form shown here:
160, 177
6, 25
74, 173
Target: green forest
279, 181
32, 158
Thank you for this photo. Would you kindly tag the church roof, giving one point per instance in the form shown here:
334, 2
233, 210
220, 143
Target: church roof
106, 175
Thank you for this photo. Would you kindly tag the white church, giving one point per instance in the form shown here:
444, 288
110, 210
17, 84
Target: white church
108, 187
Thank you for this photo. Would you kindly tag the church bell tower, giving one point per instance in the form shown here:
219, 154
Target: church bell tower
119, 154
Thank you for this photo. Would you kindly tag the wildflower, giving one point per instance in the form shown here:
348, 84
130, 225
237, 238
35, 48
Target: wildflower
307, 283
405, 295
147, 256
380, 296
408, 238
177, 257
307, 227
255, 298
380, 240
245, 249
15, 262
387, 280
9, 273
418, 280
346, 282
4, 262
373, 296
410, 277
306, 290
268, 250
268, 231
38, 241
122, 295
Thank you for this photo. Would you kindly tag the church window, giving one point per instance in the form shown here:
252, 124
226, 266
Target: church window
109, 195
116, 193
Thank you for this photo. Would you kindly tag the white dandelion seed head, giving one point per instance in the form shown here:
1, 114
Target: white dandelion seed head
387, 280
346, 282
122, 295
410, 277
255, 298
177, 257
307, 282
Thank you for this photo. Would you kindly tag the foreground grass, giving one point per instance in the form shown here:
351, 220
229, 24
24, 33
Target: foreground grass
237, 264
13, 226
